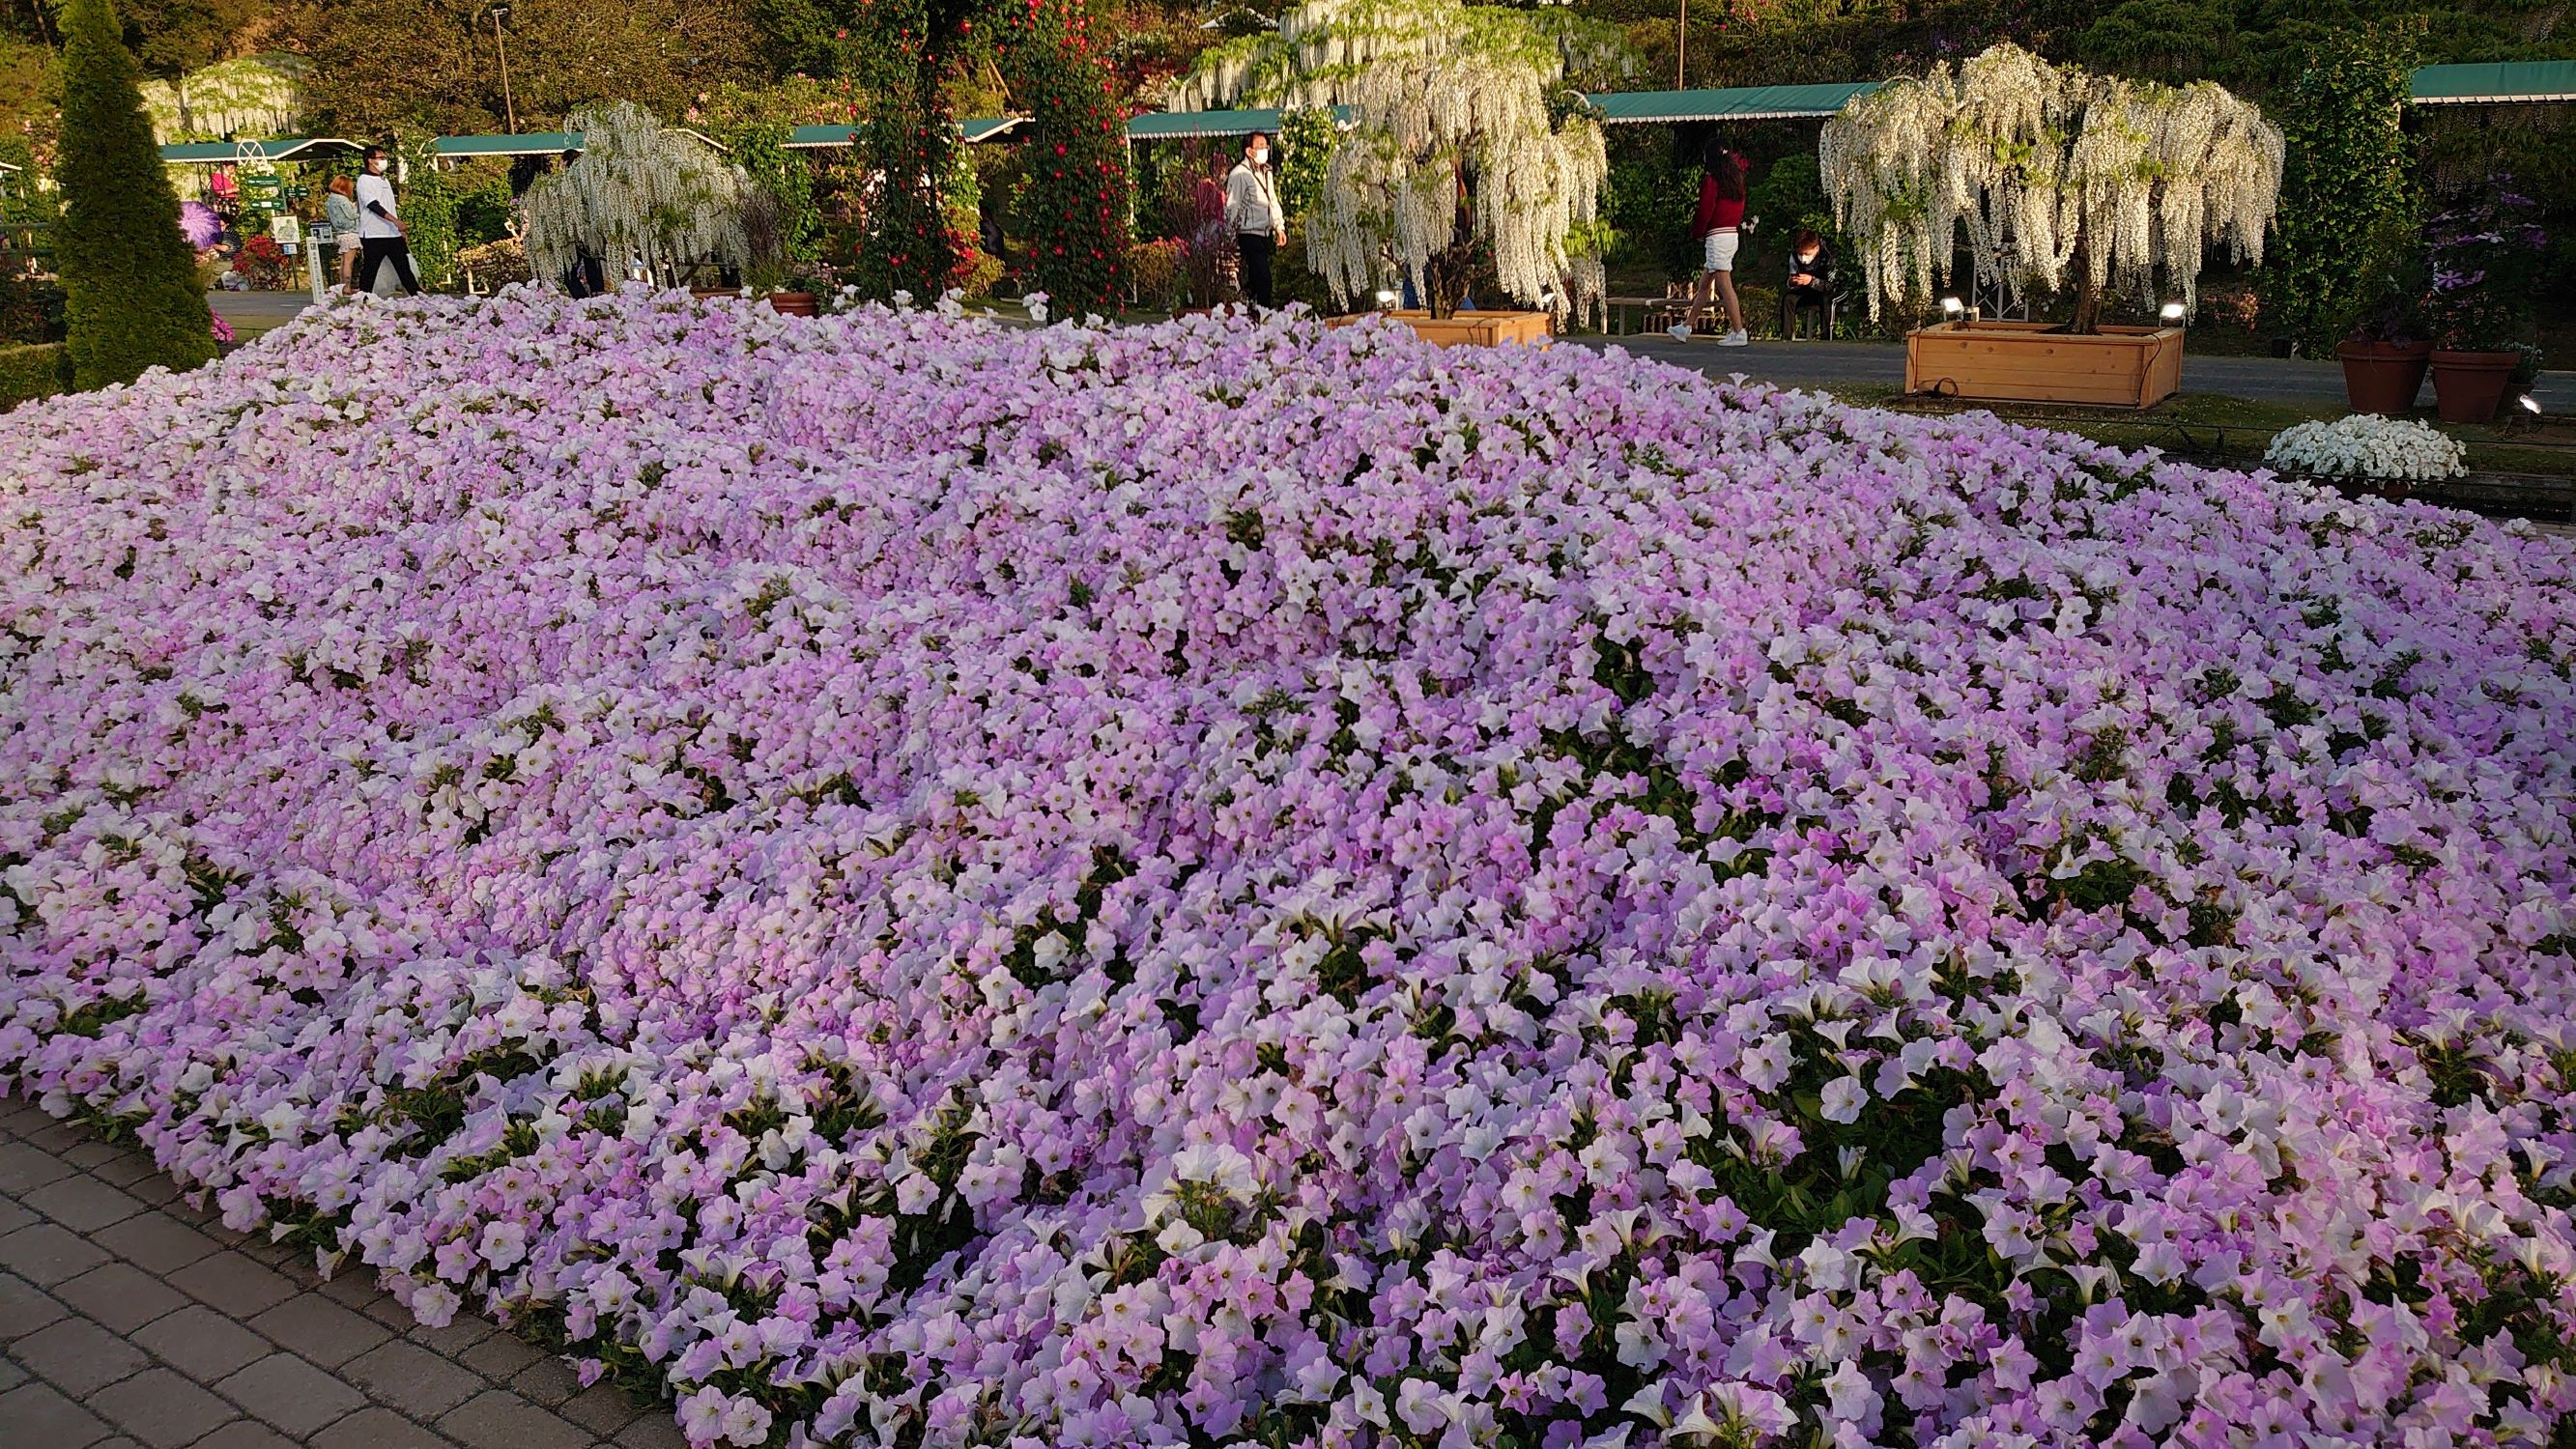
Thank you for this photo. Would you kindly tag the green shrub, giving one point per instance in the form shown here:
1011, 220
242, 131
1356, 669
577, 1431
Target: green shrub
1649, 202
33, 371
429, 207
482, 208
131, 282
31, 309
2347, 203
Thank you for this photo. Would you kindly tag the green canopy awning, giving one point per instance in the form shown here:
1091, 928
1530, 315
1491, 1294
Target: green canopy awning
1199, 125
2494, 82
1731, 103
971, 131
534, 143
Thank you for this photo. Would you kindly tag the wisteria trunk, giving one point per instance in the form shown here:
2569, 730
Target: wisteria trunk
2088, 296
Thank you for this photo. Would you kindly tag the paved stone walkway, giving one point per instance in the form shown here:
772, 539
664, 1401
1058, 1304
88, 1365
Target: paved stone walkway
129, 1318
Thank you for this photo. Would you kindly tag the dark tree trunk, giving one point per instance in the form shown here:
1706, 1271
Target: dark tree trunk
2088, 297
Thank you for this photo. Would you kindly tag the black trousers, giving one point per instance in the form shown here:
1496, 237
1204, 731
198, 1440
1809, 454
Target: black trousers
1257, 248
1795, 299
375, 249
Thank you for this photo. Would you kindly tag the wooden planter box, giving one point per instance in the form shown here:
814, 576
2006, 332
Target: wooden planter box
2124, 367
1479, 328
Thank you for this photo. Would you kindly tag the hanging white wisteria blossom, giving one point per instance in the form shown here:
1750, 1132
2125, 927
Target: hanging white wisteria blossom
637, 192
250, 95
1322, 49
2059, 176
1452, 146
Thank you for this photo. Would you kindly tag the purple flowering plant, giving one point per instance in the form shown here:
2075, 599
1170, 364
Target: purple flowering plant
2484, 259
890, 878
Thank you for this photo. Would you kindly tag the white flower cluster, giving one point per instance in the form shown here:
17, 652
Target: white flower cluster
638, 190
2366, 445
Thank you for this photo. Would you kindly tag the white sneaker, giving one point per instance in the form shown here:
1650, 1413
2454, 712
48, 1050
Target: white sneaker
1735, 339
1681, 331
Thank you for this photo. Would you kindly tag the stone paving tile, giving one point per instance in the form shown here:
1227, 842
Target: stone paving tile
155, 1242
244, 1434
82, 1204
413, 1379
161, 1409
121, 1296
234, 1284
499, 1356
24, 1165
547, 1382
452, 1338
653, 1431
284, 1390
78, 1357
24, 1307
377, 1428
500, 1420
603, 1409
91, 1153
201, 1343
321, 1330
132, 1319
43, 1416
45, 1254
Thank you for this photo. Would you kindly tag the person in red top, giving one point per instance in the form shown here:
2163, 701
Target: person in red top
1719, 223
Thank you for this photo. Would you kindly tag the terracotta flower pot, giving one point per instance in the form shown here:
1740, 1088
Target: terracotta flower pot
703, 293
2468, 385
793, 304
2383, 377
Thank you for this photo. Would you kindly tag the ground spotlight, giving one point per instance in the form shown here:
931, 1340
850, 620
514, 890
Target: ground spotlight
2173, 312
1952, 307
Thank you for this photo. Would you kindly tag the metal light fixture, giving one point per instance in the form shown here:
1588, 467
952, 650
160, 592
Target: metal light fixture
2531, 404
1386, 298
2173, 312
508, 106
1951, 307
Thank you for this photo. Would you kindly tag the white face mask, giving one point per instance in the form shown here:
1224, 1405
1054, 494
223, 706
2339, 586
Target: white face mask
377, 166
1260, 155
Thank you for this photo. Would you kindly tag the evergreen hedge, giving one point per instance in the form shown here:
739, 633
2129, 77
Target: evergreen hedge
32, 371
133, 298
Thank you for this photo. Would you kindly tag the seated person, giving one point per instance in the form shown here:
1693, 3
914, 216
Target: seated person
1810, 281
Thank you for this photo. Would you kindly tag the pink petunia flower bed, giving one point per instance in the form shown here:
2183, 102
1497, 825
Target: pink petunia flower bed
910, 882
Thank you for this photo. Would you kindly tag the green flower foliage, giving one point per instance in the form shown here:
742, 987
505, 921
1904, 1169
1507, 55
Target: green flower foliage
2347, 200
1306, 139
430, 200
132, 297
759, 147
1075, 205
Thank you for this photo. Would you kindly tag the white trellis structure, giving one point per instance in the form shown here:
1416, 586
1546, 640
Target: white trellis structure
2057, 175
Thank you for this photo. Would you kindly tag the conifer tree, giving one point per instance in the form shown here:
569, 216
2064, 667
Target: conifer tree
131, 294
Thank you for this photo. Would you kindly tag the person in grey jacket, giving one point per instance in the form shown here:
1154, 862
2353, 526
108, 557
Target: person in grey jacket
1252, 209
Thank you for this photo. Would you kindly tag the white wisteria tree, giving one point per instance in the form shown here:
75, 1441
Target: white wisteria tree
638, 190
2059, 176
1469, 159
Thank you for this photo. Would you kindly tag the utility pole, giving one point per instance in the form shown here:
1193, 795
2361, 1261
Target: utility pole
508, 109
1681, 50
